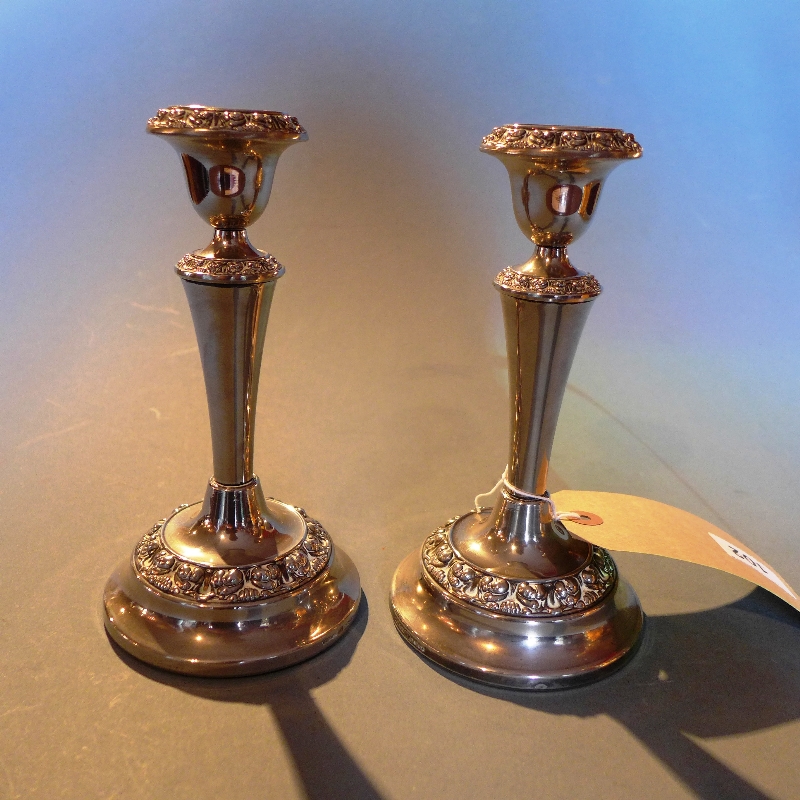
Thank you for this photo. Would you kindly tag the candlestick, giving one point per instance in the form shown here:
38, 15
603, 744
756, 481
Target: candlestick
507, 595
239, 583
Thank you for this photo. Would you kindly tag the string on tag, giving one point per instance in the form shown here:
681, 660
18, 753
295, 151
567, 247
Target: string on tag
504, 483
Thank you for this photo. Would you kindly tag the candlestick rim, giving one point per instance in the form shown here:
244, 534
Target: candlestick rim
212, 121
561, 141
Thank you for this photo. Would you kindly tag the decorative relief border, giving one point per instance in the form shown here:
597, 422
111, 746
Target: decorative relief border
166, 571
579, 286
267, 267
600, 141
550, 598
204, 118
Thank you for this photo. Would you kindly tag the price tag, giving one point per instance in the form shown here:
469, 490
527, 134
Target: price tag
638, 525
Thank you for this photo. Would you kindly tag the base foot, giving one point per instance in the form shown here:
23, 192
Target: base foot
242, 638
515, 652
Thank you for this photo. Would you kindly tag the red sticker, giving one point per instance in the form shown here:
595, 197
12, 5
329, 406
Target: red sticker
585, 518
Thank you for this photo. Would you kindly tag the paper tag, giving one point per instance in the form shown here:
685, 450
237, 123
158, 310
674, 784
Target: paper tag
751, 561
638, 525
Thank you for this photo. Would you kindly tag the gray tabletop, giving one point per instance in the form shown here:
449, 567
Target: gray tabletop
382, 407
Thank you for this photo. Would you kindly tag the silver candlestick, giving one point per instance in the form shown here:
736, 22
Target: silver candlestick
507, 595
240, 583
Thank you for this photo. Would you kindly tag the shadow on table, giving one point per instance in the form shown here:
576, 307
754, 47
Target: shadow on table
325, 769
730, 670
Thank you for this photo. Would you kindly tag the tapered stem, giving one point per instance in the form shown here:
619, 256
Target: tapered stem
541, 338
230, 323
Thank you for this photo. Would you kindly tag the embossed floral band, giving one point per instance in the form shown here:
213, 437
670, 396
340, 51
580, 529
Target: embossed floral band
204, 119
553, 140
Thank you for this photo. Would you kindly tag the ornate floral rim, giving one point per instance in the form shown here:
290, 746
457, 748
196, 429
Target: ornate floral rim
166, 571
229, 269
208, 119
548, 288
557, 140
446, 571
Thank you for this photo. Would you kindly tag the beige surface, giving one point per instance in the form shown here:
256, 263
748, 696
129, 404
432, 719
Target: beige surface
383, 401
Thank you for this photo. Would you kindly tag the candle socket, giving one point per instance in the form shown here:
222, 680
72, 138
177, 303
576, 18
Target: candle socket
507, 595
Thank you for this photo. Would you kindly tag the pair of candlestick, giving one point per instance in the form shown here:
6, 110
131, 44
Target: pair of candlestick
240, 583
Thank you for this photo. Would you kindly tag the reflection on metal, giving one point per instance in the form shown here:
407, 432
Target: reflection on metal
508, 595
238, 584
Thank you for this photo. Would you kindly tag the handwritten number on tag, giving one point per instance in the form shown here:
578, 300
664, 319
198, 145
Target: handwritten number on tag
736, 552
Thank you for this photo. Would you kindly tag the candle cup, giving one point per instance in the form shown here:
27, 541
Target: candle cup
240, 583
507, 595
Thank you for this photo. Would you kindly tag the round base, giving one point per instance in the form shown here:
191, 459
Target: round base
199, 639
512, 652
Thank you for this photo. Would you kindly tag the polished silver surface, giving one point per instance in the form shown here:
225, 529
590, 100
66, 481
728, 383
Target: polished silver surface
515, 588
231, 323
518, 539
200, 639
541, 340
234, 525
229, 156
514, 652
557, 174
507, 594
239, 583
